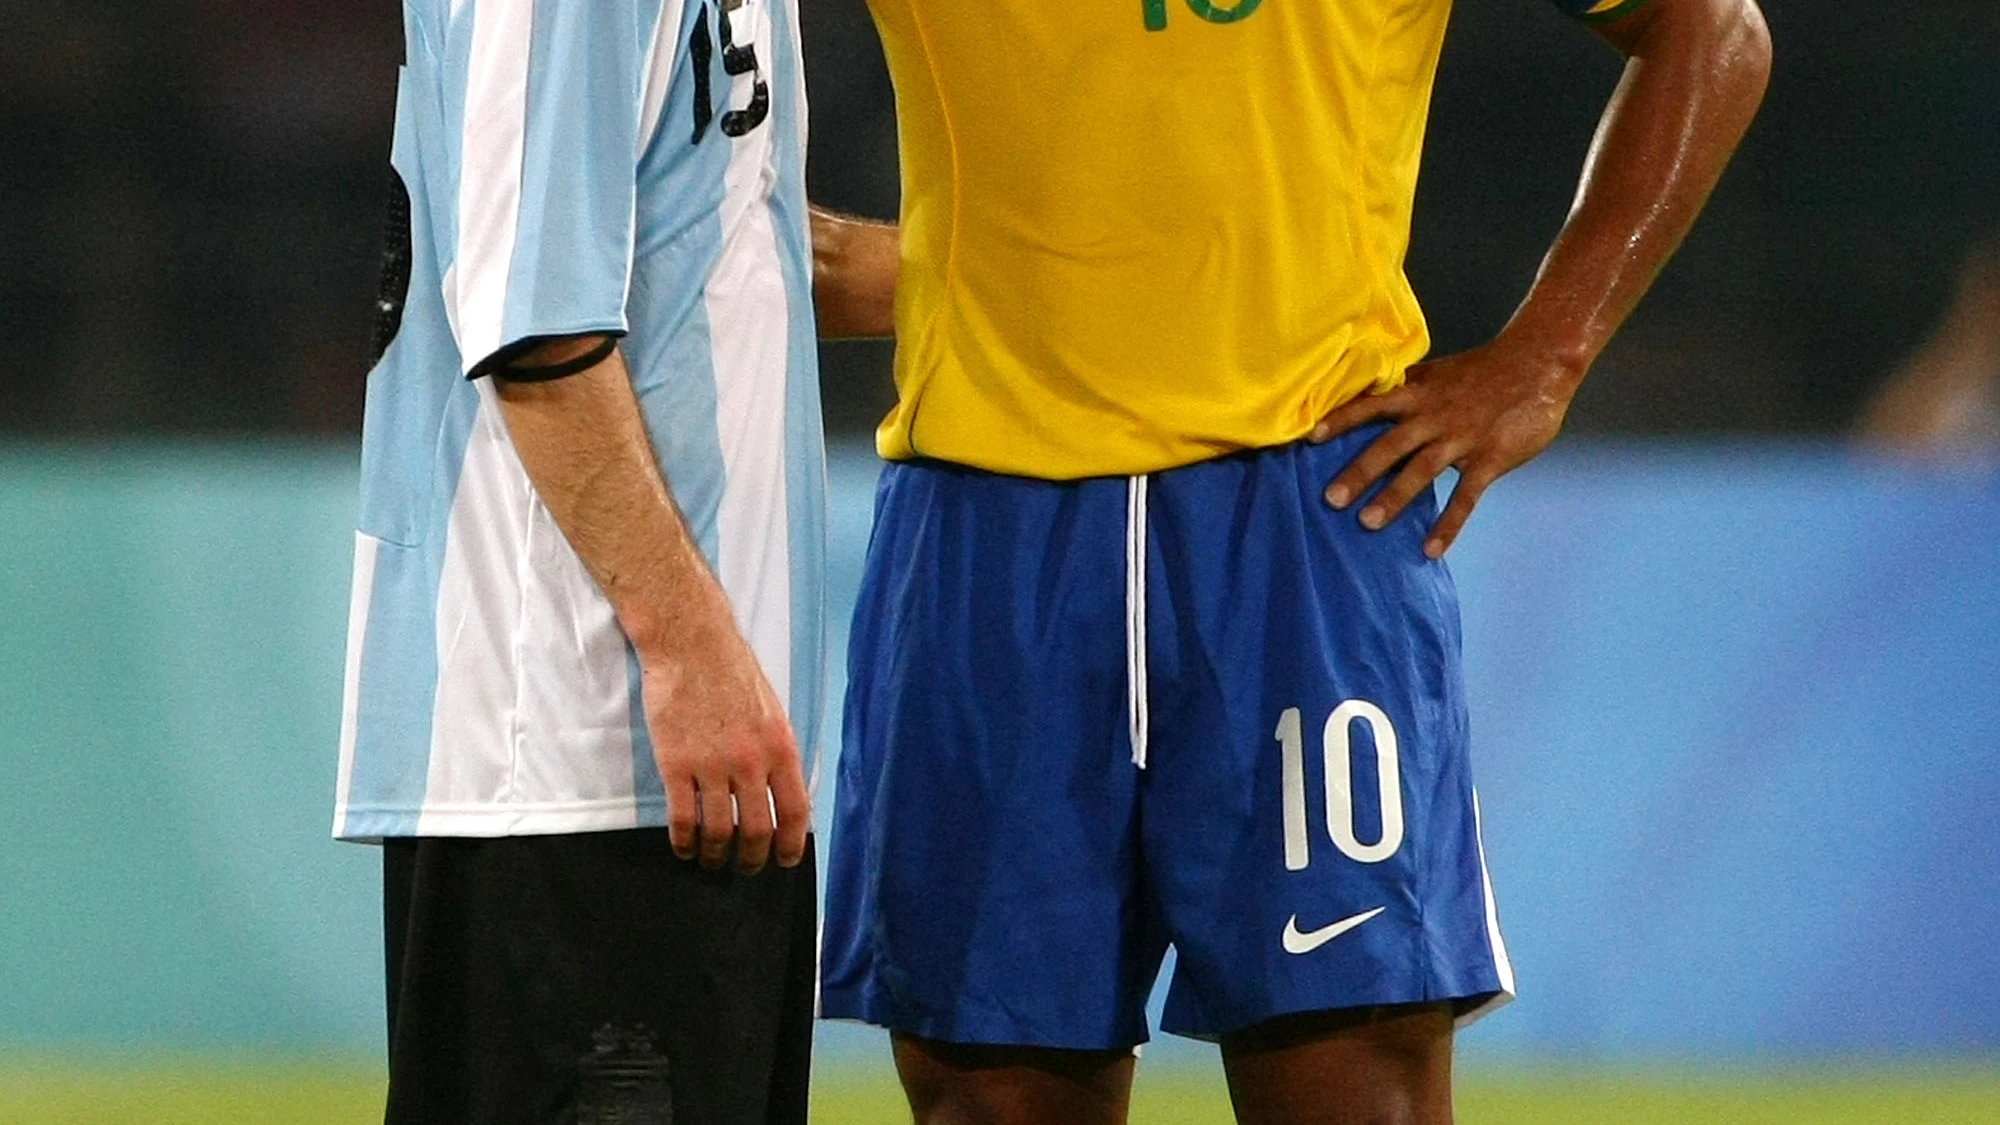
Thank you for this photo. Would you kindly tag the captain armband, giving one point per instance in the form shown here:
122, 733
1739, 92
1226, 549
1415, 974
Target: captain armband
508, 364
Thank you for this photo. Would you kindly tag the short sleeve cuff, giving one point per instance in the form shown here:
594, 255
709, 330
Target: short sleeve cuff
508, 353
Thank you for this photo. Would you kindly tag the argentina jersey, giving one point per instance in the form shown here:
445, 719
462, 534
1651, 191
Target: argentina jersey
632, 167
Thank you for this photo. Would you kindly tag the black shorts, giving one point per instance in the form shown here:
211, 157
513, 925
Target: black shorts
595, 978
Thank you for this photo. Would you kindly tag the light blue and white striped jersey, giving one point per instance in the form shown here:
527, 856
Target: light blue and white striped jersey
578, 166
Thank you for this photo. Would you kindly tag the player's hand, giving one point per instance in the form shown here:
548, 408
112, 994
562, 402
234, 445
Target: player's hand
718, 732
1484, 412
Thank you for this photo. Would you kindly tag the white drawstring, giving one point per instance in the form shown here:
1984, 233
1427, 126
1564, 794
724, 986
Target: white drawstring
1136, 711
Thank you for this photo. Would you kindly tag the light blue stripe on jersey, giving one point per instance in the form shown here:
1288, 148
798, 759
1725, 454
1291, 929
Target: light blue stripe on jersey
451, 60
670, 271
806, 468
679, 239
418, 428
571, 259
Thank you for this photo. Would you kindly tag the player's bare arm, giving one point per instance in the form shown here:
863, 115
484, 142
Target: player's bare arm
717, 728
1694, 76
854, 275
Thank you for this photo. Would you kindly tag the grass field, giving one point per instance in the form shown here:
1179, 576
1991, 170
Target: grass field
236, 1094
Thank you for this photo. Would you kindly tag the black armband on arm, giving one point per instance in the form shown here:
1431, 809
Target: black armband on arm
506, 364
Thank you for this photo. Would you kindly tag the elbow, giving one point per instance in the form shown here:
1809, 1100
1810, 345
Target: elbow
1745, 48
1726, 42
1721, 48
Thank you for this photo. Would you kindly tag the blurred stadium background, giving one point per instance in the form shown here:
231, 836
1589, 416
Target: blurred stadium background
1735, 645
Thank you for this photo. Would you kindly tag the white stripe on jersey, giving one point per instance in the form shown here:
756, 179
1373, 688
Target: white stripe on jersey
531, 662
449, 288
661, 58
489, 179
359, 602
473, 722
747, 307
798, 74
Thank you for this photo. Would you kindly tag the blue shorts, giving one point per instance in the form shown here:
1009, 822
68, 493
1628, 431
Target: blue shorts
1087, 720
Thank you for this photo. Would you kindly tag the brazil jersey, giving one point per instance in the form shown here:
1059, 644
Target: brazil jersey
1143, 233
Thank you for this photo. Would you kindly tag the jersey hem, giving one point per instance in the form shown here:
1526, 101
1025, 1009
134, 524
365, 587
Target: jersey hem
1123, 471
371, 824
1185, 451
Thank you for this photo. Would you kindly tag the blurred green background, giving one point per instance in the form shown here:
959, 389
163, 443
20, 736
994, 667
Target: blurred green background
208, 1093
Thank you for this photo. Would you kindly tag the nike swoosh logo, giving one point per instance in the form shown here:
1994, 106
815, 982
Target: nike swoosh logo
1296, 942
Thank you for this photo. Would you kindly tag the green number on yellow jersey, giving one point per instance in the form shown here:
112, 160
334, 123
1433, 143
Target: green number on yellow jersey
1156, 11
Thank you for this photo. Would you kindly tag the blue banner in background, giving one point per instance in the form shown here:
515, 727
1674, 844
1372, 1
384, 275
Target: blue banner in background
1737, 718
1736, 709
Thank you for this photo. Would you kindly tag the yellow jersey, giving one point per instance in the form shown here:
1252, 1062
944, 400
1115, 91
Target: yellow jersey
1143, 233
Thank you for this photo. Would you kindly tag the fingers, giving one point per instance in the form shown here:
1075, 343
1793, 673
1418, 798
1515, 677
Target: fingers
773, 785
718, 823
1358, 412
1381, 455
753, 796
683, 813
753, 827
1472, 485
1417, 475
788, 792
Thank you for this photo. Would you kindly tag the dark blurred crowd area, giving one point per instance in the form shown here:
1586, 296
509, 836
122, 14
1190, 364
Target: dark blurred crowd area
191, 196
